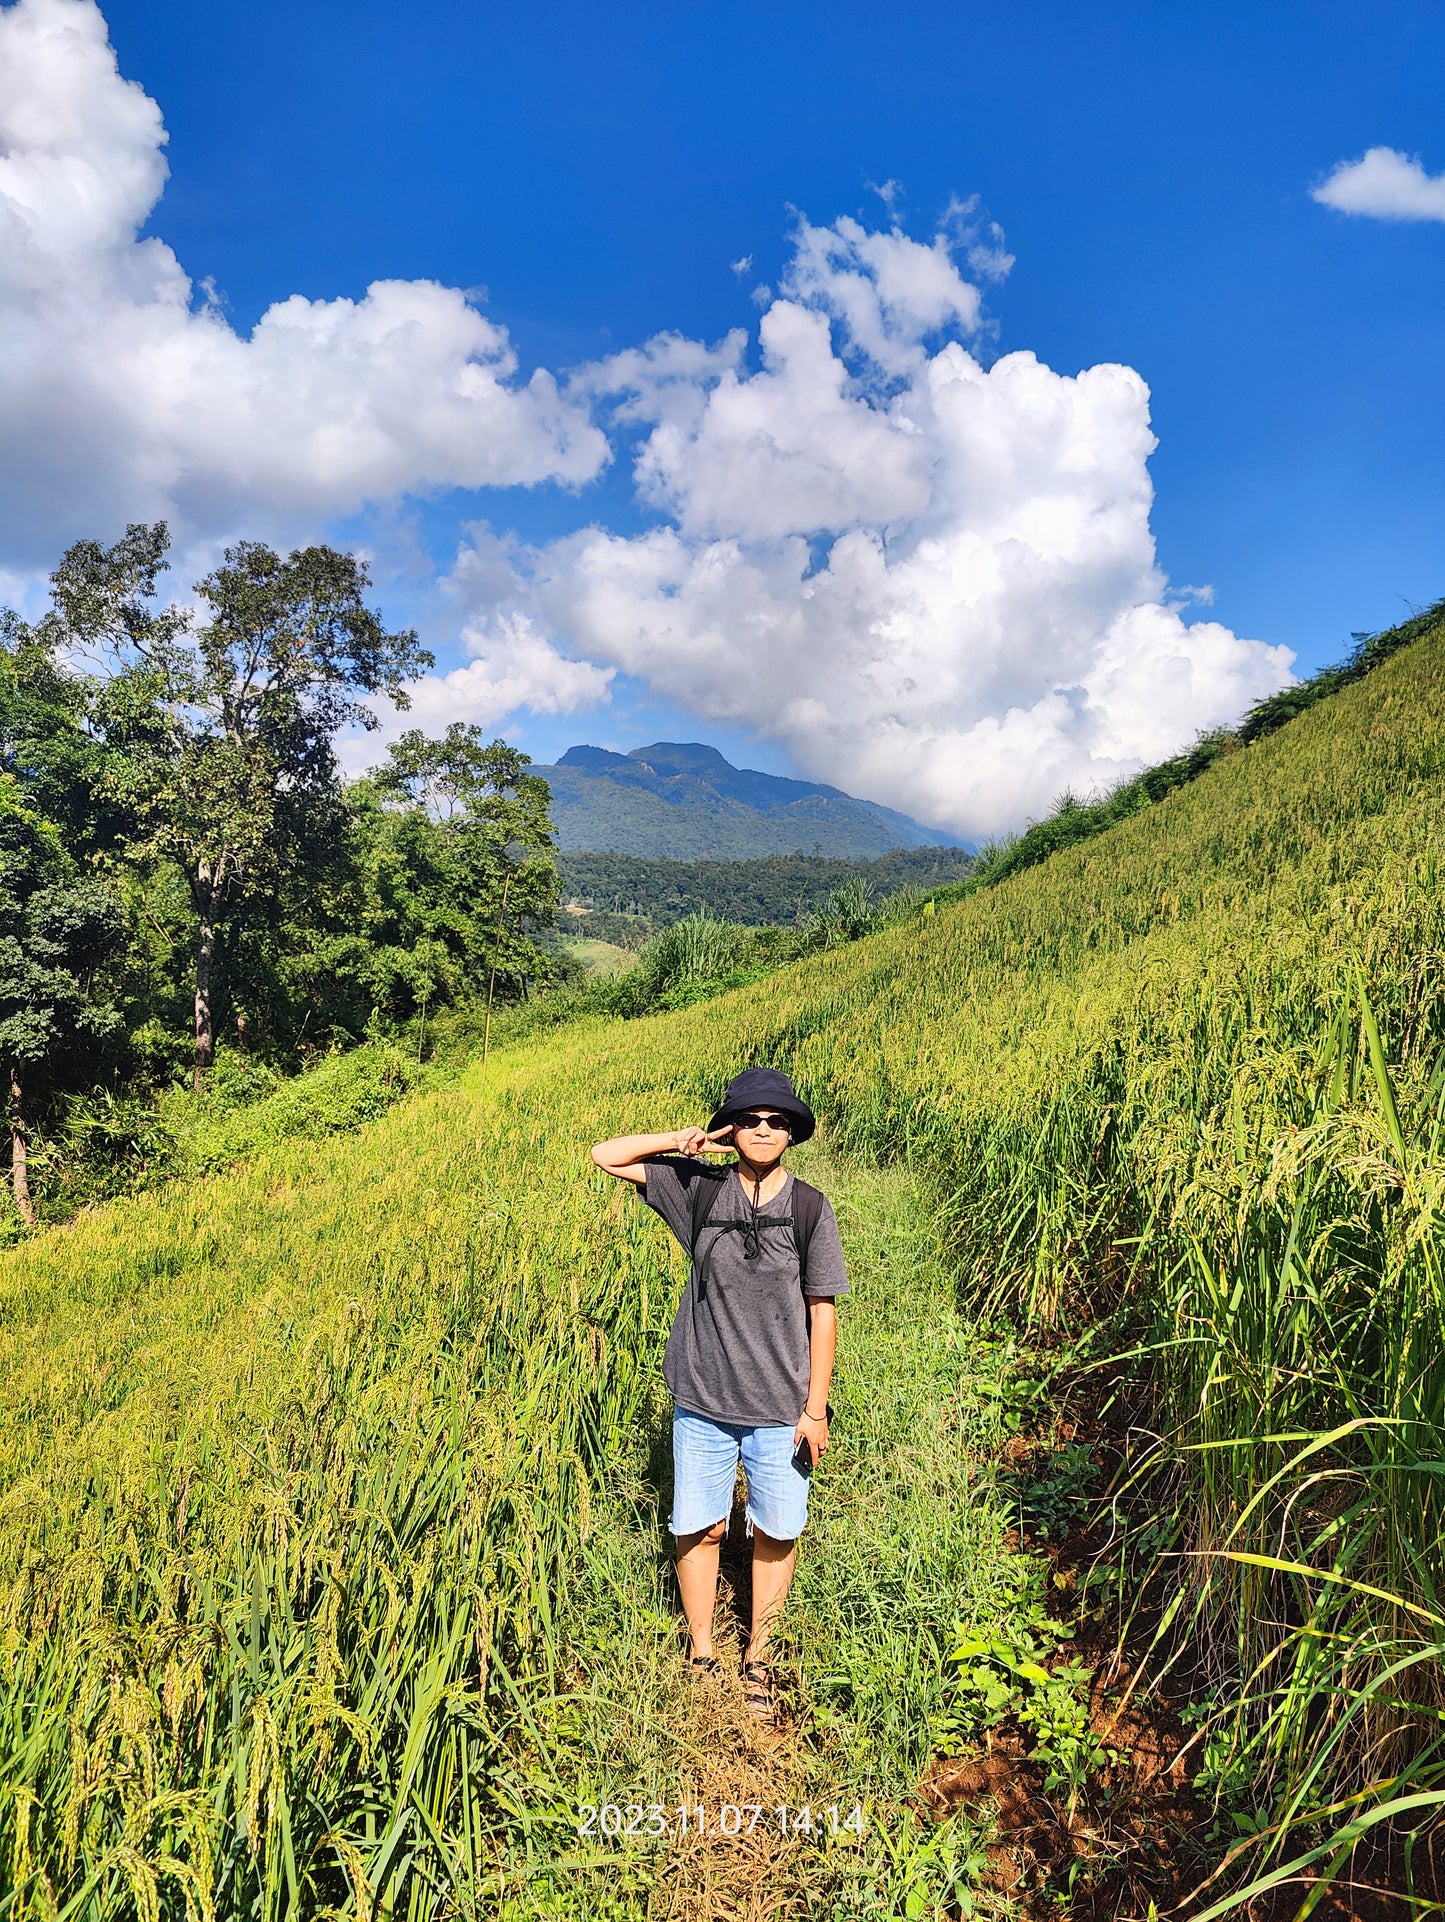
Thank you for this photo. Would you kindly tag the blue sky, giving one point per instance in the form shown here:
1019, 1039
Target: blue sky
597, 171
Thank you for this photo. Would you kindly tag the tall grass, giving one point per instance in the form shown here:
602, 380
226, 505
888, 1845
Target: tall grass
698, 948
282, 1532
701, 955
1201, 1059
330, 1536
1189, 1069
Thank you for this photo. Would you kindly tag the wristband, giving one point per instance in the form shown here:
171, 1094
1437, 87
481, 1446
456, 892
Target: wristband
811, 1416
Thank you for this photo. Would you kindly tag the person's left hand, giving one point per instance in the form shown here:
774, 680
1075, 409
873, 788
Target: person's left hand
816, 1430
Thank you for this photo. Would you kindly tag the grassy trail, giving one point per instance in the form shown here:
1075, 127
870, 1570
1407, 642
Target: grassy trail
906, 1539
331, 1570
333, 1537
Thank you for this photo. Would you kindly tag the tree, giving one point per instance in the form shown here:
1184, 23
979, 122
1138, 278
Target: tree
451, 776
494, 820
44, 741
59, 925
441, 869
218, 725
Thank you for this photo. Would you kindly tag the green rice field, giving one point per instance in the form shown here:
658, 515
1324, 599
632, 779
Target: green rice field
333, 1570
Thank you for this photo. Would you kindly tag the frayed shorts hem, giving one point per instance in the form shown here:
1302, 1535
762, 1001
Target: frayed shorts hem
750, 1521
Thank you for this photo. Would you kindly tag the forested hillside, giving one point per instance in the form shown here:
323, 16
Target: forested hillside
777, 888
331, 1521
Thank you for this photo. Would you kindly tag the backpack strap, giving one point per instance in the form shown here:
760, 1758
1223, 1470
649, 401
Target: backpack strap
705, 1191
807, 1212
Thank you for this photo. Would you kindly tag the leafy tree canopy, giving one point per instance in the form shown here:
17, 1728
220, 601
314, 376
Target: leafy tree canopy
56, 927
218, 725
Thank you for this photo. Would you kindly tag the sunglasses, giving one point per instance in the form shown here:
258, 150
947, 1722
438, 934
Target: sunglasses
779, 1123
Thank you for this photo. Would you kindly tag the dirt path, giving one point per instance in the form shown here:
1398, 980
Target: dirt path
906, 1538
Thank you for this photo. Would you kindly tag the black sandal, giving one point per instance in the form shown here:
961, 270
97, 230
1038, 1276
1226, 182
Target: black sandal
701, 1665
758, 1692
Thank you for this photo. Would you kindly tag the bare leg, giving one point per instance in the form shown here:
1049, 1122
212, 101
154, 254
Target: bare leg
697, 1558
773, 1564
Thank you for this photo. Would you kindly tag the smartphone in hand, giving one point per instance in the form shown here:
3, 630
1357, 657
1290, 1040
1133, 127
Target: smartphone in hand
803, 1453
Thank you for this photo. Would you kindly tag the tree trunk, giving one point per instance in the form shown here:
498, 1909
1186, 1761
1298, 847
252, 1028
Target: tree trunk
19, 1157
205, 954
492, 979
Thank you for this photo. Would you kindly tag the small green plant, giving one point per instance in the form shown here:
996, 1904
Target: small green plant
1057, 1716
1020, 1398
1227, 1773
1057, 1493
1003, 1675
924, 1872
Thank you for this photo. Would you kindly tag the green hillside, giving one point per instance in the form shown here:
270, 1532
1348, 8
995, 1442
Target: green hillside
329, 1533
683, 801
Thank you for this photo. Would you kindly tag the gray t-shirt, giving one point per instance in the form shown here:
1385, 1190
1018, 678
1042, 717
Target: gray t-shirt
738, 1351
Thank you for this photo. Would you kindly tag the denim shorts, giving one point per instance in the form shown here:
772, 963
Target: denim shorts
705, 1455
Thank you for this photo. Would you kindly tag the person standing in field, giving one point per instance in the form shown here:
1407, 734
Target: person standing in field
750, 1357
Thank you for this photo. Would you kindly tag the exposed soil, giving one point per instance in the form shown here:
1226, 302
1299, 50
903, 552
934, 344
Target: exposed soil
1138, 1835
1134, 1835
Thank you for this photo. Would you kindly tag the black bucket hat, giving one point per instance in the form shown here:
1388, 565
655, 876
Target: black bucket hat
764, 1088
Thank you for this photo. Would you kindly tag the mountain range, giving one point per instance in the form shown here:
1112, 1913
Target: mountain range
686, 800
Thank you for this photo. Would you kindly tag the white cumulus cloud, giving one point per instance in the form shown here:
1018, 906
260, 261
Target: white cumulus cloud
123, 396
514, 668
1386, 184
933, 580
886, 291
787, 449
931, 577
